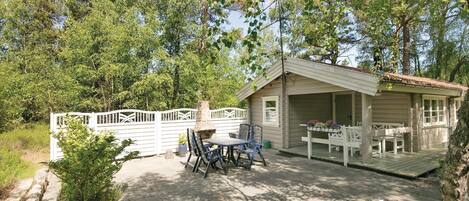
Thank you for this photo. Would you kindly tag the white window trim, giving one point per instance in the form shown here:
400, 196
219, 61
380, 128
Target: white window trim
270, 98
445, 114
455, 109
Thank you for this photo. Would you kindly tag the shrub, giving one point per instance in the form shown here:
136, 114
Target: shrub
89, 162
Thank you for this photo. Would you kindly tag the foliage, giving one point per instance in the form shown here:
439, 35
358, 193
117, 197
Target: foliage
455, 170
32, 137
182, 138
13, 168
89, 162
105, 55
14, 146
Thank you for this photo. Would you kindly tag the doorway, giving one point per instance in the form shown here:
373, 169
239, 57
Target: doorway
344, 108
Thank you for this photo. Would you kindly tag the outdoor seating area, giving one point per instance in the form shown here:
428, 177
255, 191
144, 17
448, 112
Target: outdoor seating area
218, 152
348, 138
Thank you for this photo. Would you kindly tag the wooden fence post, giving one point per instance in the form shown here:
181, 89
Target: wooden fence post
158, 136
93, 122
52, 142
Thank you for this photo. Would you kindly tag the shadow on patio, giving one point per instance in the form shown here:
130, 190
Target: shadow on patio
285, 178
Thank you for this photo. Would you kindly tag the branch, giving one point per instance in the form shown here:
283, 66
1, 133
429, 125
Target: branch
456, 68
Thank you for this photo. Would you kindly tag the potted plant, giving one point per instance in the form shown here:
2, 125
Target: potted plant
182, 148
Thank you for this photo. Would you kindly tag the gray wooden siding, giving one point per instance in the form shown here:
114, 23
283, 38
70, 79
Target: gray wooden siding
391, 107
304, 108
297, 84
357, 81
274, 134
387, 107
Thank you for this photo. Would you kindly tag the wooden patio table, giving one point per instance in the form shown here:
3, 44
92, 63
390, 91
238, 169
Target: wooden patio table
228, 142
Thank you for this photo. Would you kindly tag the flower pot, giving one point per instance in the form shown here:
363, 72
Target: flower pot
182, 150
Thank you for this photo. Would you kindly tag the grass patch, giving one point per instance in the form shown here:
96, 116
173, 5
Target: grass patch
34, 138
21, 150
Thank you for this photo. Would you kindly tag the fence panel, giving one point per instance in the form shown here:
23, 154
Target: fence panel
153, 132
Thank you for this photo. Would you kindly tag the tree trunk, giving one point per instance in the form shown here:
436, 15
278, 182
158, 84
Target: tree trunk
405, 47
455, 171
456, 68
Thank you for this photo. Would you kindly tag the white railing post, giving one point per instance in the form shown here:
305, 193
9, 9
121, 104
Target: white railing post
52, 142
158, 136
93, 122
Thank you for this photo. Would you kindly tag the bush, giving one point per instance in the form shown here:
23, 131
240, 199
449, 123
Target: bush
89, 162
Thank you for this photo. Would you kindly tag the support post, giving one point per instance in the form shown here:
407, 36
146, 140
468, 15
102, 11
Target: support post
309, 143
93, 122
417, 122
411, 133
365, 147
52, 143
158, 137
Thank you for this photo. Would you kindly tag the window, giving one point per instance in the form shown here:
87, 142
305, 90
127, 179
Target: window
434, 110
270, 110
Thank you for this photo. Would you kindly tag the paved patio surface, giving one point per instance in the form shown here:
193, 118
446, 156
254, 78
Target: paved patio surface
285, 178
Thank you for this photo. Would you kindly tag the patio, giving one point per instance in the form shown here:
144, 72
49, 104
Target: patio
285, 178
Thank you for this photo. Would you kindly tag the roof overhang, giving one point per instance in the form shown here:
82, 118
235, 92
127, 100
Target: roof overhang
260, 81
347, 78
395, 87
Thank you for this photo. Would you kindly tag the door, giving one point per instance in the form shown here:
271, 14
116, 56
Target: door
343, 109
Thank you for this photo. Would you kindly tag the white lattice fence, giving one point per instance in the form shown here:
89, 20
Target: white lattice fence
153, 132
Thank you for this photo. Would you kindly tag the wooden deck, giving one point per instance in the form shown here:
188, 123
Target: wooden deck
409, 165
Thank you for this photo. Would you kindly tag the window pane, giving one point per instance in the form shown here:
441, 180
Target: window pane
426, 114
434, 116
441, 116
426, 104
427, 119
440, 105
434, 105
270, 104
270, 115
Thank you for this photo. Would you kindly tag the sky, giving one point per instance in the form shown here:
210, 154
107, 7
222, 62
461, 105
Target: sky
236, 20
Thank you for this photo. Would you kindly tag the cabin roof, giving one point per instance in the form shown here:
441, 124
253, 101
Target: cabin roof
421, 81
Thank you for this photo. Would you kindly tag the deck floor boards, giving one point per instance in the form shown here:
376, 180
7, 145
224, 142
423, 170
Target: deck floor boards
410, 165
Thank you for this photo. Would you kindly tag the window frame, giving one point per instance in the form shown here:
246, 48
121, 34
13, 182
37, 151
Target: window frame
457, 106
431, 111
264, 109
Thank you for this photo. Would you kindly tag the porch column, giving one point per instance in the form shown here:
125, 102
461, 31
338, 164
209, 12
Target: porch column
417, 122
365, 148
249, 116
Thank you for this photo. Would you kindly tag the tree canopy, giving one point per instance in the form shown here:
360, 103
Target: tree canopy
99, 55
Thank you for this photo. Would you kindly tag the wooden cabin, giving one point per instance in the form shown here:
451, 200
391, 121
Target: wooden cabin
350, 96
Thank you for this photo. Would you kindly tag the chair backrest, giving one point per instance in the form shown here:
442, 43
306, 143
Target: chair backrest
200, 146
256, 134
189, 143
352, 133
385, 125
244, 131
